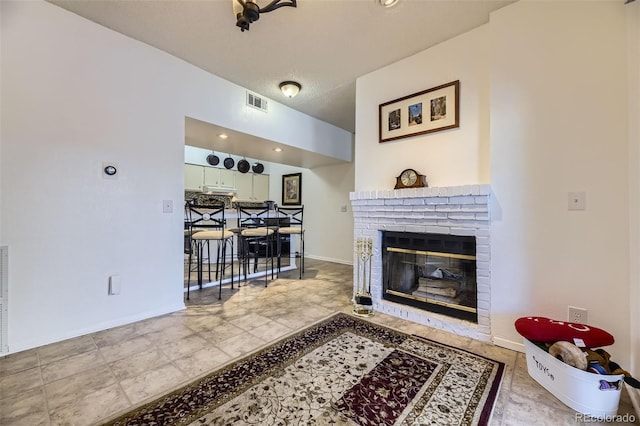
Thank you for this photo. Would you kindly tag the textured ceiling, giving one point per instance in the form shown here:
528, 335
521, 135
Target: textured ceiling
323, 44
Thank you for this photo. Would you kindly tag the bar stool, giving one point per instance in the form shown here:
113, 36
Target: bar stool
255, 236
294, 226
207, 224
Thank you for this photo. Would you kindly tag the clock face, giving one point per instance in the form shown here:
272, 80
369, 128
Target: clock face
408, 177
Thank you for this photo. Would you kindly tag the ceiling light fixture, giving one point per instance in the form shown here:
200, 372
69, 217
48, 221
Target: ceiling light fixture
277, 149
248, 11
290, 88
388, 3
223, 136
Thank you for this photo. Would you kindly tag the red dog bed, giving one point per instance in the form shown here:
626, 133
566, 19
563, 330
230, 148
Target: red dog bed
546, 330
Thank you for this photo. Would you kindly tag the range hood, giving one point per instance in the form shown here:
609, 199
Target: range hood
217, 190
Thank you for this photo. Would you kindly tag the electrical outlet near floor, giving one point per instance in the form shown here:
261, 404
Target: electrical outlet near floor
577, 315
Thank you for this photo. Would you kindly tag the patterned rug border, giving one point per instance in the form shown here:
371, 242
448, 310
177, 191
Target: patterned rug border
495, 385
329, 328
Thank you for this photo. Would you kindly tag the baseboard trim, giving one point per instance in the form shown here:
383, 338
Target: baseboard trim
329, 259
509, 344
236, 279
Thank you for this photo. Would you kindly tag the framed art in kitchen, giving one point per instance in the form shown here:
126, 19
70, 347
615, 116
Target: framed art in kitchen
428, 111
292, 189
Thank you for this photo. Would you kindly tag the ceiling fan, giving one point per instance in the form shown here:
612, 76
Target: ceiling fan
249, 11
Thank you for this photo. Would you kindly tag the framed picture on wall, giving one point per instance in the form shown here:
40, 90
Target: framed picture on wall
292, 189
428, 111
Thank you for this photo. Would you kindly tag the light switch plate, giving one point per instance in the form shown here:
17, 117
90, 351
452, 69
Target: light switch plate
167, 206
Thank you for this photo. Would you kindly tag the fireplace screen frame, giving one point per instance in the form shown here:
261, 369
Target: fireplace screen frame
417, 248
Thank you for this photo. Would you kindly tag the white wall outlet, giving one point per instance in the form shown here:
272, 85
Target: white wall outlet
577, 200
115, 282
167, 206
577, 315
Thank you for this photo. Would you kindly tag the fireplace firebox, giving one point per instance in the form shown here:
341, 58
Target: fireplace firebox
434, 272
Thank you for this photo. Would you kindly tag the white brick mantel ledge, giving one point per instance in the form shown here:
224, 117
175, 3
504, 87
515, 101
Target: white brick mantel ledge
455, 210
441, 191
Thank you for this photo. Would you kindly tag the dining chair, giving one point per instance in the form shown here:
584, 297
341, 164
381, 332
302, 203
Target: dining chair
206, 224
292, 217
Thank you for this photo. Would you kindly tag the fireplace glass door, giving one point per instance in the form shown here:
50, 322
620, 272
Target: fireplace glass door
432, 280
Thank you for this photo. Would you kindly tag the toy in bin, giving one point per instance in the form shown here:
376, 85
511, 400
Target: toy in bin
567, 360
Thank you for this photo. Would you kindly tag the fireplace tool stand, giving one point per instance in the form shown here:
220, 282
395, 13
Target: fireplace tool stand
363, 302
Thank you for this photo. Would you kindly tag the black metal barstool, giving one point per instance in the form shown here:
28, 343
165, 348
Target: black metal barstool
255, 237
292, 218
207, 224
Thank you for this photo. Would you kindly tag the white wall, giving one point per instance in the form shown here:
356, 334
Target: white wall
633, 71
330, 187
74, 95
559, 124
448, 158
325, 190
545, 85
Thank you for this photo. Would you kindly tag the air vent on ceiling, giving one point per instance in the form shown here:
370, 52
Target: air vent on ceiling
256, 101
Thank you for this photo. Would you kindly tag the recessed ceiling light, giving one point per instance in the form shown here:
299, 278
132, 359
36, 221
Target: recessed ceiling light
223, 136
388, 3
277, 149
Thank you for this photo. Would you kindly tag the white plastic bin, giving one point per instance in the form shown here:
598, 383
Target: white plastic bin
578, 389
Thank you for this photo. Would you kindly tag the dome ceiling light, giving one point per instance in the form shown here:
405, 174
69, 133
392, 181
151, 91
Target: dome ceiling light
290, 88
388, 3
248, 11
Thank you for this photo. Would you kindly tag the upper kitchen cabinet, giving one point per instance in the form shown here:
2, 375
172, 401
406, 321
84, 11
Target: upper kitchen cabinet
193, 177
261, 187
219, 178
244, 186
252, 187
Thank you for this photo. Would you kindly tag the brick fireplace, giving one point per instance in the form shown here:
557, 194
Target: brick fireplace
455, 210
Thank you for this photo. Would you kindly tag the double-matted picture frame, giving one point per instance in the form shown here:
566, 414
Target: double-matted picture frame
292, 189
428, 111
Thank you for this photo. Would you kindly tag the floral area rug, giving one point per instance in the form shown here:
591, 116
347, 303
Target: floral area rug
341, 371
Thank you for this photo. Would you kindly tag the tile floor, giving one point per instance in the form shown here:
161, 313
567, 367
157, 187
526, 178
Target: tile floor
88, 379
